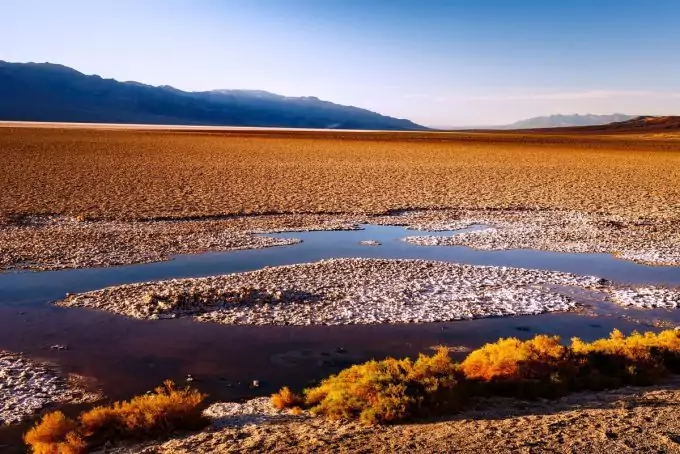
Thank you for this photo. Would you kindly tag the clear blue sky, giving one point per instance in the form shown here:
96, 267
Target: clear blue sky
437, 62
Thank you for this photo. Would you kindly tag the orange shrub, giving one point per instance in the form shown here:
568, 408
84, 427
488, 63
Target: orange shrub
157, 414
392, 390
512, 359
286, 398
55, 434
636, 359
387, 391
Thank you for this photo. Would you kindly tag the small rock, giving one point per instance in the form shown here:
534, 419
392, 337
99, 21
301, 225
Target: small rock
370, 243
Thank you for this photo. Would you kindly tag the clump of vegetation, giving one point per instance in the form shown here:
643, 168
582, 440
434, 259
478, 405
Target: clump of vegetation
536, 367
638, 359
385, 391
286, 398
392, 390
512, 359
153, 415
55, 434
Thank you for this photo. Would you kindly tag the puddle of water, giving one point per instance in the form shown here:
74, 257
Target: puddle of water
38, 288
128, 356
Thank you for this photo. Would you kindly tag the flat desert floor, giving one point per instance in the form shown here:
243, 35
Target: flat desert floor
153, 174
77, 197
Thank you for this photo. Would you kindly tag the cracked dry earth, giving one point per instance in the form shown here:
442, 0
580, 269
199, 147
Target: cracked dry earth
344, 291
643, 241
27, 387
627, 420
58, 242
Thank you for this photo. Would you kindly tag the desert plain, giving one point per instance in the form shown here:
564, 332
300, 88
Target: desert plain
77, 197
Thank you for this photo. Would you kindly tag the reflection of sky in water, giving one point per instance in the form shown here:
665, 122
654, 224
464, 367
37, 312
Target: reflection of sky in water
128, 356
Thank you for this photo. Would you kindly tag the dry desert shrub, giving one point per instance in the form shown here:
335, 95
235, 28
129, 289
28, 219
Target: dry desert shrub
532, 368
153, 415
55, 434
393, 390
286, 398
638, 359
512, 359
389, 390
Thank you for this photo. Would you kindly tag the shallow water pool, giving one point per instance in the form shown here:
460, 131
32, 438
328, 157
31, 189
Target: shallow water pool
22, 288
127, 356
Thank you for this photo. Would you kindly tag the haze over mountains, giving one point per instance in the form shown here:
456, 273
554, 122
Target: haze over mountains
56, 93
564, 121
556, 121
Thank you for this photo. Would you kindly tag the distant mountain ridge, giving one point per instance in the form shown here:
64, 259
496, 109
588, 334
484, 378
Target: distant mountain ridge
554, 121
563, 121
57, 93
641, 125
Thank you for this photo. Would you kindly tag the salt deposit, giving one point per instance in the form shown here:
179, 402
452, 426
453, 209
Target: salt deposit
345, 291
27, 387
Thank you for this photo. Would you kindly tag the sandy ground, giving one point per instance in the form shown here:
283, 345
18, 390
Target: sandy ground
628, 420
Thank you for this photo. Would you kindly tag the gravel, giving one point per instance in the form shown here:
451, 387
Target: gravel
27, 387
345, 291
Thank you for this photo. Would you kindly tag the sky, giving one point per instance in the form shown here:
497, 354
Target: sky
436, 62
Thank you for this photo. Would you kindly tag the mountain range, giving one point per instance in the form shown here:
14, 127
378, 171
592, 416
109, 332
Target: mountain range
554, 121
56, 93
565, 121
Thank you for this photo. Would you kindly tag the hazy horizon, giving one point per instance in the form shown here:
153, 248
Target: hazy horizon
437, 63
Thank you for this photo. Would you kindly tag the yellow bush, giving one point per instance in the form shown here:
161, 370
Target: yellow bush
392, 390
385, 391
55, 434
152, 415
511, 359
286, 398
637, 359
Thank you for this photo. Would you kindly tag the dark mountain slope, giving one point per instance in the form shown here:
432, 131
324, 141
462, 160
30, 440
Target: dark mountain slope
49, 92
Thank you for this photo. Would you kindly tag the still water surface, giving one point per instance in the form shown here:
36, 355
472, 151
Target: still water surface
129, 356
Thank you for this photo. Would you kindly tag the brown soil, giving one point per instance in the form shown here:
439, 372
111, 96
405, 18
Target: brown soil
133, 174
629, 420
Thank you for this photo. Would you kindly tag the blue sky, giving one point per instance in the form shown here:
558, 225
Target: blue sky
437, 62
